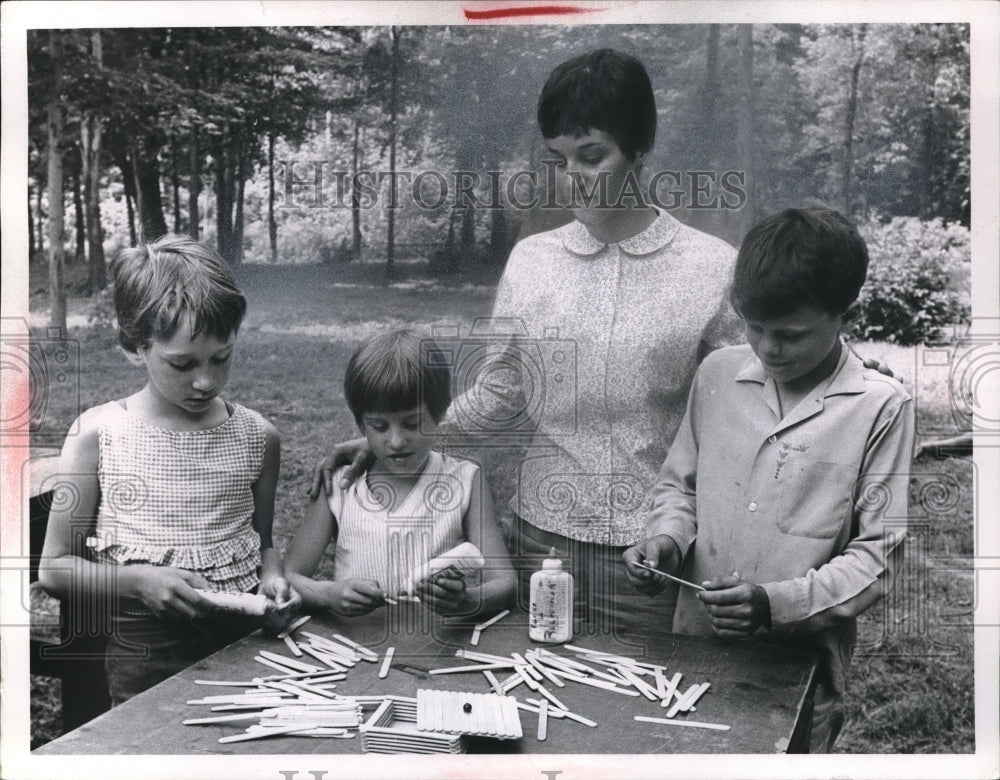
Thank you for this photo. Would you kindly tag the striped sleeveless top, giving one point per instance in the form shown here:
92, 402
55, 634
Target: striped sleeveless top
376, 544
181, 498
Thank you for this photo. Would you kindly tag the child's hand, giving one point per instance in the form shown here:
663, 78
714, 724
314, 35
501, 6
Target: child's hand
354, 597
660, 552
170, 592
286, 599
444, 592
737, 607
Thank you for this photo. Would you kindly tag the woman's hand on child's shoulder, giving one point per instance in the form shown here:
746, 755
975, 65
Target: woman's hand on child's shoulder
356, 452
170, 592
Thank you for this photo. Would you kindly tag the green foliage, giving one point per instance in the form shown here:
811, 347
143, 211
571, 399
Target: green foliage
183, 103
917, 280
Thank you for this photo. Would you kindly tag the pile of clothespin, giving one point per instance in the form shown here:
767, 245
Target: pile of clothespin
541, 669
299, 699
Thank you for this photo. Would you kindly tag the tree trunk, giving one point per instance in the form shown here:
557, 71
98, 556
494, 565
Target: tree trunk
498, 235
41, 217
31, 229
272, 222
929, 143
80, 252
56, 120
90, 158
221, 206
151, 204
223, 201
194, 186
130, 210
237, 246
468, 240
450, 241
175, 187
858, 48
745, 121
393, 118
709, 130
137, 192
120, 154
355, 200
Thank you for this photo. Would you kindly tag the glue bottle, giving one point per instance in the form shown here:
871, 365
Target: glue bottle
550, 618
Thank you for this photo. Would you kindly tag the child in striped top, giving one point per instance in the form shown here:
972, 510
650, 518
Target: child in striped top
411, 505
172, 487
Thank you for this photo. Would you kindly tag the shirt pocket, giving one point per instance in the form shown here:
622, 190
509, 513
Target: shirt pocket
816, 502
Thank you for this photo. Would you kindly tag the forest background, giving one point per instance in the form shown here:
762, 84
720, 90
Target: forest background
220, 133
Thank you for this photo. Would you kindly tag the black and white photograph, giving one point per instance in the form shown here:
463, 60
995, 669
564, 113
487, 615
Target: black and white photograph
579, 389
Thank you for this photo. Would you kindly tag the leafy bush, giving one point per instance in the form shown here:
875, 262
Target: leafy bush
918, 279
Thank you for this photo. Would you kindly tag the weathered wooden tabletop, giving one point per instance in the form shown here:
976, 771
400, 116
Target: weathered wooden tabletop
757, 688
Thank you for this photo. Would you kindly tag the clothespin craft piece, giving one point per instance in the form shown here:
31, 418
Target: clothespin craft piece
476, 714
462, 560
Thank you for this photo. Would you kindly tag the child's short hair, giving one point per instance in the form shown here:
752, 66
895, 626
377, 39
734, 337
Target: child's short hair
156, 283
395, 372
800, 257
603, 90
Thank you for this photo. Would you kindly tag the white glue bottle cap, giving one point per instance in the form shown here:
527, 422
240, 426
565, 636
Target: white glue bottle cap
552, 563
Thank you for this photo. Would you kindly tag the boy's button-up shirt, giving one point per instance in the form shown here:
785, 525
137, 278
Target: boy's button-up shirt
591, 354
809, 507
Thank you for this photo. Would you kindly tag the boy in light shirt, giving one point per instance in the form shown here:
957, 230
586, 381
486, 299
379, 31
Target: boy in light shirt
785, 490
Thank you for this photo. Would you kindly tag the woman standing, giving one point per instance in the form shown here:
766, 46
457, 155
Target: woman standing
597, 329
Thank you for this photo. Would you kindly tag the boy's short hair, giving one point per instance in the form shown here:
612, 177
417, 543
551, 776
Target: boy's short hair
395, 372
159, 282
603, 90
800, 257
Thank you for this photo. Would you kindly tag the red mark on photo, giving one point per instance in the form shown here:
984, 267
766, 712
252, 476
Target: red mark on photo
522, 11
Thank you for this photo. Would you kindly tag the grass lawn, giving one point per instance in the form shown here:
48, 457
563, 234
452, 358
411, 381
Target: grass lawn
911, 686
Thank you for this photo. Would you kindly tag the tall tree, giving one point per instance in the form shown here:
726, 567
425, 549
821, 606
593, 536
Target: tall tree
858, 55
745, 120
56, 122
90, 156
80, 242
393, 120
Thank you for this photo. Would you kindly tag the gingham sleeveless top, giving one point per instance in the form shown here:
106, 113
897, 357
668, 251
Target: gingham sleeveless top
181, 498
376, 544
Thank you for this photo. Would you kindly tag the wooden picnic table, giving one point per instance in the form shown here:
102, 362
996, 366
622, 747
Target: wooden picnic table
760, 689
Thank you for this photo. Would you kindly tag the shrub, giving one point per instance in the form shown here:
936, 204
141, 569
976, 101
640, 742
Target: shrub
918, 280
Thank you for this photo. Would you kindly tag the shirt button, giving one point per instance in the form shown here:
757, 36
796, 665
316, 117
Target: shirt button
772, 439
753, 506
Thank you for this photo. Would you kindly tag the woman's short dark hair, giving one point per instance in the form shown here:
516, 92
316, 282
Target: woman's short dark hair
395, 372
601, 90
800, 257
157, 283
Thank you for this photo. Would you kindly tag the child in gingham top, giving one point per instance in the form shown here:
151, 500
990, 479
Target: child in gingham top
176, 484
410, 506
142, 517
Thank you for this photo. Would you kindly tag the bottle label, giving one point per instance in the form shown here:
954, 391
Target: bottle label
548, 620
